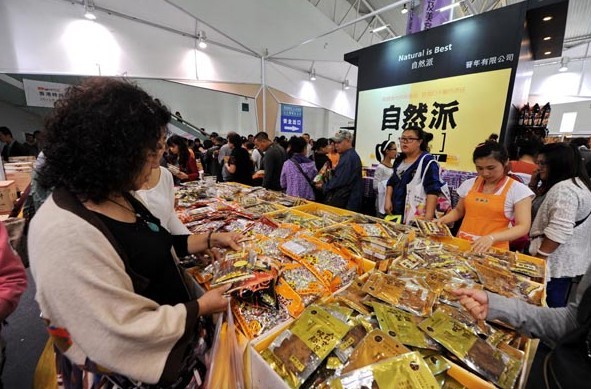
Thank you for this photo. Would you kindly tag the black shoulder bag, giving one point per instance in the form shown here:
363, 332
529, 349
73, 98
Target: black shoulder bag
569, 364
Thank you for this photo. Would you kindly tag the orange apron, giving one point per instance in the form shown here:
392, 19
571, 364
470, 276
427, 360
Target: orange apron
485, 213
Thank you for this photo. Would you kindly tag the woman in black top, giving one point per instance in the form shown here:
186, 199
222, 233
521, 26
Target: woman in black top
239, 165
320, 150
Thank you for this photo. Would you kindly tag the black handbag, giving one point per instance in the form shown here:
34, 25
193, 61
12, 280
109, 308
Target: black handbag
568, 365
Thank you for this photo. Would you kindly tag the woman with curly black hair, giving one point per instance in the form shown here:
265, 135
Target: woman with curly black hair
184, 166
107, 283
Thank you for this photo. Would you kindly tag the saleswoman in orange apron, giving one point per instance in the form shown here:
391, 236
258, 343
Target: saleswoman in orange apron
491, 201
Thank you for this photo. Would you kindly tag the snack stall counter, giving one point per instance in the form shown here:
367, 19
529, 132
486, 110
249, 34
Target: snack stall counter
331, 298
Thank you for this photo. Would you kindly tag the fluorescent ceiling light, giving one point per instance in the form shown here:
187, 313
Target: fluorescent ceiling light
547, 53
452, 5
547, 18
547, 38
378, 29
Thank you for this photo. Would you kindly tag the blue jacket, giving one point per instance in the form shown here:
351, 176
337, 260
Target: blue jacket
347, 173
432, 183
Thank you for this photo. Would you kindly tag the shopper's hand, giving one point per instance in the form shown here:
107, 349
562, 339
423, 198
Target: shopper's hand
214, 254
475, 301
226, 239
318, 184
182, 176
214, 300
388, 206
482, 244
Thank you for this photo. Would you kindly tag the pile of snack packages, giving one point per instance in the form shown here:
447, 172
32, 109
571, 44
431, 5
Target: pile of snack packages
369, 302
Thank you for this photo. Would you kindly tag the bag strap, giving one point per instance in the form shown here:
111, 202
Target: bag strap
425, 170
417, 176
299, 167
579, 222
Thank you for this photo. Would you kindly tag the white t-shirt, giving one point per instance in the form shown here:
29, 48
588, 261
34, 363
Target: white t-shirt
160, 201
516, 193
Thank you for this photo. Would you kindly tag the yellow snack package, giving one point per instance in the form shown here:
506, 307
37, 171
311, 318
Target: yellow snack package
301, 348
346, 347
377, 345
409, 294
482, 357
402, 326
353, 297
403, 371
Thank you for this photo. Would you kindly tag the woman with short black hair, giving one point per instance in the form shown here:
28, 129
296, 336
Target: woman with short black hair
413, 159
239, 164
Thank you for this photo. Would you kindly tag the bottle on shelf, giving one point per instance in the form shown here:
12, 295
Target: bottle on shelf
526, 115
536, 115
546, 114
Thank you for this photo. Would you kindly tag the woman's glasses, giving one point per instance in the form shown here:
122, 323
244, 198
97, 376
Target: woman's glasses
407, 140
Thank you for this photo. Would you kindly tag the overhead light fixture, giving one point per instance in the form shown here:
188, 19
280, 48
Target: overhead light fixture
89, 10
563, 64
346, 85
547, 18
547, 38
404, 9
201, 37
378, 29
547, 53
313, 75
452, 5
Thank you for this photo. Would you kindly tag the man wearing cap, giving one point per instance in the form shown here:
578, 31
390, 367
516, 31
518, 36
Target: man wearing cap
345, 188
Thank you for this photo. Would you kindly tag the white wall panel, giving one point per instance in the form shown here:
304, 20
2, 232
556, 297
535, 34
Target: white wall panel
214, 111
19, 121
582, 123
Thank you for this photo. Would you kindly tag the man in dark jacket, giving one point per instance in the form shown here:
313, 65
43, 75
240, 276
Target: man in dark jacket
11, 147
274, 156
345, 188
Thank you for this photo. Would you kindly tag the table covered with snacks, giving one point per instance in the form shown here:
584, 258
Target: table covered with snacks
325, 297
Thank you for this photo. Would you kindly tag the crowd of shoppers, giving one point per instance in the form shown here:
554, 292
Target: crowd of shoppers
124, 250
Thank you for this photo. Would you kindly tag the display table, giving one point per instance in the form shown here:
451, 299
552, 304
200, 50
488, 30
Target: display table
319, 250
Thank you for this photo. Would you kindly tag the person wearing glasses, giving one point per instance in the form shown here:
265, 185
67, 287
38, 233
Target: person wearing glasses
490, 202
561, 228
381, 176
415, 157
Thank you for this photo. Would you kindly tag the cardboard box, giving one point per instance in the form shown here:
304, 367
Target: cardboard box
7, 196
20, 173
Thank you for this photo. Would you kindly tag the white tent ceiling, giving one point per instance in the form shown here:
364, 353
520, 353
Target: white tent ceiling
276, 29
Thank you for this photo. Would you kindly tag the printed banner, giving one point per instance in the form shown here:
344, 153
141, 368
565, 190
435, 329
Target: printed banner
426, 14
292, 118
460, 112
43, 93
